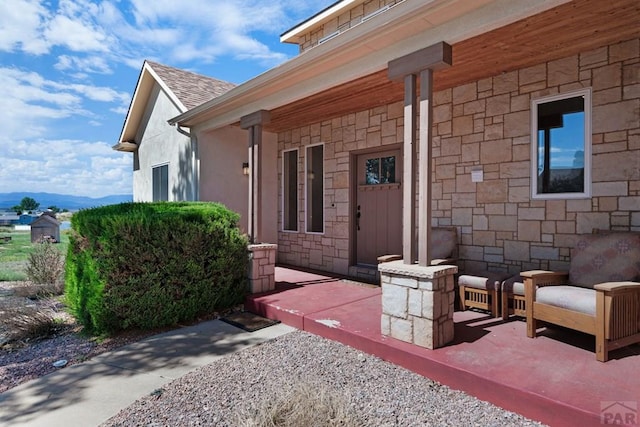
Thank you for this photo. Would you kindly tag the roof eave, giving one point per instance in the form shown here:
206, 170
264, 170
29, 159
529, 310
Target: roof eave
128, 147
366, 40
138, 104
328, 13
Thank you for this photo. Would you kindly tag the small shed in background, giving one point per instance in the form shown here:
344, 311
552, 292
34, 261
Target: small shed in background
46, 227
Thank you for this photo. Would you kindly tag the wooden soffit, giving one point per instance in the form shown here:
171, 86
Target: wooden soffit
563, 31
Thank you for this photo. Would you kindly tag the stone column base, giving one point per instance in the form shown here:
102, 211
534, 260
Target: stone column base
417, 303
262, 267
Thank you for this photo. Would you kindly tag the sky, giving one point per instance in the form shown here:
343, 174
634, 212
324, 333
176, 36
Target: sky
68, 69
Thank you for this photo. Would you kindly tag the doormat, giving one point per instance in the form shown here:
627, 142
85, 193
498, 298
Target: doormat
248, 321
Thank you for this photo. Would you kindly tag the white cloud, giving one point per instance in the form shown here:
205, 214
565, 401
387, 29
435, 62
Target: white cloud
90, 64
75, 34
206, 30
66, 166
21, 25
120, 110
31, 102
193, 29
96, 93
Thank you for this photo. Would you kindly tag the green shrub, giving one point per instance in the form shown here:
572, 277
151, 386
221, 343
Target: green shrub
149, 265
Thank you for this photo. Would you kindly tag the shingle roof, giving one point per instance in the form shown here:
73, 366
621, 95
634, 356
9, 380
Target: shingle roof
191, 89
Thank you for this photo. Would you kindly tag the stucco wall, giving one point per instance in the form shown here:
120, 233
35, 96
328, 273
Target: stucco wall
222, 153
488, 123
160, 143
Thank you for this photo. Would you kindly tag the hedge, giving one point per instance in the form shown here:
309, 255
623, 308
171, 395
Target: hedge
150, 265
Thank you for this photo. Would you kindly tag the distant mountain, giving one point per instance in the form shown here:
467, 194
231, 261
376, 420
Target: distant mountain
62, 201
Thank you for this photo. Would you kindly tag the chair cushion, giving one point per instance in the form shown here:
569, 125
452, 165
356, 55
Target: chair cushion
443, 242
569, 297
598, 258
487, 280
514, 285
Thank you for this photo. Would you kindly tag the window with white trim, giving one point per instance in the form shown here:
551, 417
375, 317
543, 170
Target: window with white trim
561, 146
160, 181
314, 173
290, 190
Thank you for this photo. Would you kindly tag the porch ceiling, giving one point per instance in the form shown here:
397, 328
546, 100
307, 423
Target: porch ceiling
559, 32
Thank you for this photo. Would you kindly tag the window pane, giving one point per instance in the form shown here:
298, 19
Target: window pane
160, 183
561, 145
388, 175
290, 191
315, 196
372, 170
164, 183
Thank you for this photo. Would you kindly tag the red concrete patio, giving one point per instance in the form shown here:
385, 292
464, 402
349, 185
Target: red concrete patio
554, 378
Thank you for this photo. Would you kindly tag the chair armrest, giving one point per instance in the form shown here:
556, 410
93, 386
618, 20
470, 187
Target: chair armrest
545, 278
389, 258
446, 261
617, 286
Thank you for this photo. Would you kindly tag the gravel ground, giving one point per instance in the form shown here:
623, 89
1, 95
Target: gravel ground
239, 387
26, 360
377, 393
21, 362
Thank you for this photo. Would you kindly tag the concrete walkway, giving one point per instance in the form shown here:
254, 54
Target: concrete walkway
89, 393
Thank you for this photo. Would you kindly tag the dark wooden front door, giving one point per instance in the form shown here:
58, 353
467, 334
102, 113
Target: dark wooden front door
378, 206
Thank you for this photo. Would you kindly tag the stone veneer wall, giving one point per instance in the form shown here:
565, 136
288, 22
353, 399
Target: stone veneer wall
487, 123
346, 20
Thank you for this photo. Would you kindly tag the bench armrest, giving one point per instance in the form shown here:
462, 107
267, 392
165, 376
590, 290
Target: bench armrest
617, 286
545, 278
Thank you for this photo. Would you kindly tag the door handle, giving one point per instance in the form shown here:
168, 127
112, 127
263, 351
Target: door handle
358, 218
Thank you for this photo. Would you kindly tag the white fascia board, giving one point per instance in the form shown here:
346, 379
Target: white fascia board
359, 51
139, 102
124, 134
325, 15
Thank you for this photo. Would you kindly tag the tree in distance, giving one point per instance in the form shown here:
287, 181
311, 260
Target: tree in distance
27, 204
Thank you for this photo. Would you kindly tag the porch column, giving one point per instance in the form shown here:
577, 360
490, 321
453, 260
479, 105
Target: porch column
424, 185
420, 63
253, 123
417, 299
409, 172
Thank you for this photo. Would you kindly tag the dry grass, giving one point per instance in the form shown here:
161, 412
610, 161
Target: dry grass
20, 322
27, 323
38, 291
305, 405
46, 264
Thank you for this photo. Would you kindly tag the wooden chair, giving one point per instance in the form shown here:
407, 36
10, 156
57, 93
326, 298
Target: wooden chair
600, 295
513, 301
481, 290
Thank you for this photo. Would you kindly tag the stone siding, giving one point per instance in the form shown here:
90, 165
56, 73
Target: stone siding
417, 303
488, 123
262, 268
